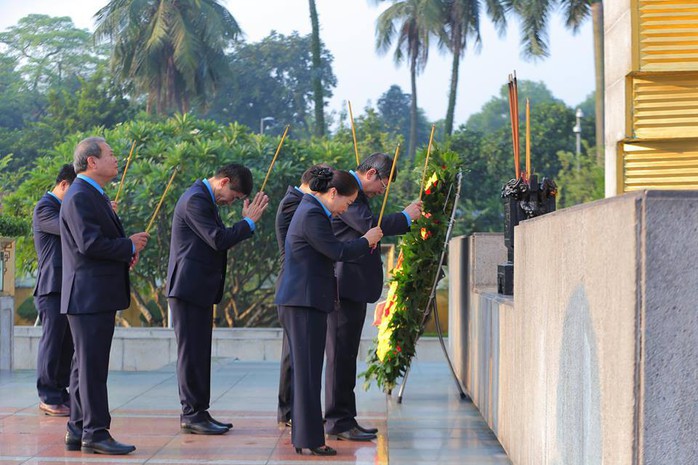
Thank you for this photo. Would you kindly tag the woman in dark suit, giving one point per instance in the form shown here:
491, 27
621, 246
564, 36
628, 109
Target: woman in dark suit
308, 292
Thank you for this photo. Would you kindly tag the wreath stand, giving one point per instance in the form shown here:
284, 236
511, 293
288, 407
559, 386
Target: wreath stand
431, 303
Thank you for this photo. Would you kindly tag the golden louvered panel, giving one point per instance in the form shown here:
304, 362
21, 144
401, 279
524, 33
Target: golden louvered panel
668, 35
660, 165
665, 105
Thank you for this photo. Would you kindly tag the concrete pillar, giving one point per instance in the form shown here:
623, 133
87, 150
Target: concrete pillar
617, 64
7, 320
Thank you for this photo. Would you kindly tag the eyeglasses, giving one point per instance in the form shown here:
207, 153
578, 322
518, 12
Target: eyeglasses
381, 180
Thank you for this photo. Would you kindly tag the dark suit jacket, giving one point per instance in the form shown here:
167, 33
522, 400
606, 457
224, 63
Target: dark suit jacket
284, 214
311, 249
199, 248
96, 253
361, 279
47, 242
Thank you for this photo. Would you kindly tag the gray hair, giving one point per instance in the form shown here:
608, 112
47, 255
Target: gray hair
381, 162
90, 147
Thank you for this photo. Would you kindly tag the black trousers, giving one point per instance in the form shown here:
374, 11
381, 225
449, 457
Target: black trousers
193, 327
283, 413
344, 327
306, 329
55, 351
89, 400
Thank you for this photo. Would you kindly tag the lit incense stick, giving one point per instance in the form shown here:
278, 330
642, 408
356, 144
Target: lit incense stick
157, 209
123, 176
273, 160
387, 188
426, 161
516, 127
512, 120
353, 133
528, 139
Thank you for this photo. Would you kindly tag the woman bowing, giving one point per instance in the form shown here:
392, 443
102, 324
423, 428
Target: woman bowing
308, 292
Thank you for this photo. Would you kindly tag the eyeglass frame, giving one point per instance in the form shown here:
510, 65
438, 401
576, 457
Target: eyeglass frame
380, 179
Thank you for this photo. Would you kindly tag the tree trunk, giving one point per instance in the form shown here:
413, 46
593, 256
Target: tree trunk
412, 147
597, 21
448, 126
317, 72
142, 307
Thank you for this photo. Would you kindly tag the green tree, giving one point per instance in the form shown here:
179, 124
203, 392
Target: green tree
535, 15
50, 50
316, 46
371, 136
462, 24
198, 147
173, 51
15, 102
494, 114
409, 25
485, 146
394, 109
272, 78
97, 101
580, 180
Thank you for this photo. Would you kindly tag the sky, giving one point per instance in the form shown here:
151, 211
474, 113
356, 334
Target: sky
348, 31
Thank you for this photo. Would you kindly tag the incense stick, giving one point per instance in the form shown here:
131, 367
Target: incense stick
157, 209
426, 161
390, 181
353, 133
528, 138
266, 178
123, 176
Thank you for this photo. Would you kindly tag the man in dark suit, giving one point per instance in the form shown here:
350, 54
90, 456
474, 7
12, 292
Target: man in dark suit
56, 343
284, 215
195, 279
95, 284
360, 282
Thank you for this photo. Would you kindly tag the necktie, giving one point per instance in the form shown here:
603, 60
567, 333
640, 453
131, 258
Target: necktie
108, 200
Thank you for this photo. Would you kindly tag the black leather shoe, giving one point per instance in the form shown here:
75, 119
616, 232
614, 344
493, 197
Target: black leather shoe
322, 450
366, 430
202, 427
353, 434
218, 423
108, 446
73, 442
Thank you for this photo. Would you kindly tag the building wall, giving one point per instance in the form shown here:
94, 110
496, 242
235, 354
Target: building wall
651, 95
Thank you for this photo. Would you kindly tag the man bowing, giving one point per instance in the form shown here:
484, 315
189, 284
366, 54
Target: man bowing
195, 278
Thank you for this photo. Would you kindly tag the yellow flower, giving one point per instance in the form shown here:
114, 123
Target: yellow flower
433, 180
384, 334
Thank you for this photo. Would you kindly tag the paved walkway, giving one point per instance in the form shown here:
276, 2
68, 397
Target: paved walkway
431, 425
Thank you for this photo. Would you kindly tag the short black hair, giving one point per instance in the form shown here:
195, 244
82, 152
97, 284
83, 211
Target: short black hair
323, 178
379, 161
240, 177
308, 174
67, 173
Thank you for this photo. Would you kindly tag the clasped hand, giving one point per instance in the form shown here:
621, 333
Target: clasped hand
254, 209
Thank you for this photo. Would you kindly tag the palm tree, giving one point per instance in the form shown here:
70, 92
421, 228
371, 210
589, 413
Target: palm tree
535, 15
461, 24
409, 24
171, 50
317, 72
